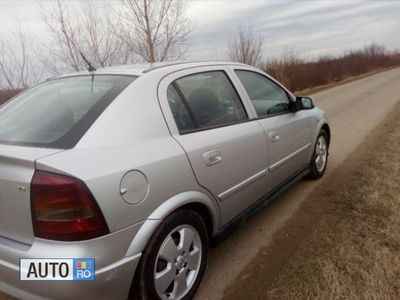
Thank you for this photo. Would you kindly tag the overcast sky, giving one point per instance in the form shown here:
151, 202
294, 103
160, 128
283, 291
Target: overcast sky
310, 28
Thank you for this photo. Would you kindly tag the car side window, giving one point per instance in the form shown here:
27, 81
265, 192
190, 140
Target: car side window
204, 100
268, 98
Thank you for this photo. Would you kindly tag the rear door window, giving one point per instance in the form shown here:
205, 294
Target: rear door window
204, 100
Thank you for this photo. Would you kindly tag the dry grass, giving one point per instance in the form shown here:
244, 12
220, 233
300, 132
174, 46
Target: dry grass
299, 74
355, 254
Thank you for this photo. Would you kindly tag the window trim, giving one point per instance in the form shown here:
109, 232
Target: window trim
288, 94
186, 104
193, 118
188, 131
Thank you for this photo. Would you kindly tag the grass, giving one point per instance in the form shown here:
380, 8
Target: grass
355, 251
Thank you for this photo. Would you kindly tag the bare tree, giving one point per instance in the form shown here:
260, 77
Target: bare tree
283, 67
18, 67
156, 30
246, 47
91, 29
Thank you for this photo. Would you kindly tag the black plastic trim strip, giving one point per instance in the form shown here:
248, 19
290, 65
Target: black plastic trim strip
239, 220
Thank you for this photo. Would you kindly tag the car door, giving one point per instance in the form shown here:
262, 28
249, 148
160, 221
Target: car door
288, 132
227, 150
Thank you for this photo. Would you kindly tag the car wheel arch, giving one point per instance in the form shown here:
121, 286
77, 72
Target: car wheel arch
198, 201
327, 129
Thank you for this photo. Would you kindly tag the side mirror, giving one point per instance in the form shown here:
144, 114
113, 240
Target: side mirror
304, 103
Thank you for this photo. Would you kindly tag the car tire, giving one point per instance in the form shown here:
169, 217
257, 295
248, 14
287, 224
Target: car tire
175, 256
319, 159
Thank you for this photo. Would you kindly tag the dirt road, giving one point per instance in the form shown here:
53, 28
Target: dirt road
354, 109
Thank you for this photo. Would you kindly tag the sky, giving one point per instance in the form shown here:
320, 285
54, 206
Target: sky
309, 28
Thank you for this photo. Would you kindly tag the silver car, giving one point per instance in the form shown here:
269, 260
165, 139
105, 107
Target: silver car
141, 168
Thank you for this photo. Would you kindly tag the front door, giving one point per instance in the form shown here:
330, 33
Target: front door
288, 132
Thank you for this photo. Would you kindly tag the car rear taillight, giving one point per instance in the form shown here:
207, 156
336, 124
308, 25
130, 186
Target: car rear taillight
63, 209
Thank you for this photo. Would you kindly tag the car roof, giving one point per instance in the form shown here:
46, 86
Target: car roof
140, 69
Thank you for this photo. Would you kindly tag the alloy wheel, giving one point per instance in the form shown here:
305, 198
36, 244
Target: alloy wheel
178, 263
321, 153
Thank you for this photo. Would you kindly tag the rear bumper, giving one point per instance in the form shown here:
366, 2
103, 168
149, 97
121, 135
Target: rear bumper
114, 270
112, 282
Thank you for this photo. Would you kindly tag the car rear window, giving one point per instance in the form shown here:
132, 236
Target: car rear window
57, 113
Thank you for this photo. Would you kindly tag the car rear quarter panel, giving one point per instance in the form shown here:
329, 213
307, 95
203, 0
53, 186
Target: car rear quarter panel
131, 134
134, 116
162, 160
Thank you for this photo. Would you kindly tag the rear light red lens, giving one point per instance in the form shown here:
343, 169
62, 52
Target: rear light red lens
63, 209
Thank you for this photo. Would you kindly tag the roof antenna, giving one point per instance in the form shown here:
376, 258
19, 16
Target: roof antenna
90, 67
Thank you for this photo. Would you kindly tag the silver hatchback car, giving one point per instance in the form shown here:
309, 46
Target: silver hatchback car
141, 167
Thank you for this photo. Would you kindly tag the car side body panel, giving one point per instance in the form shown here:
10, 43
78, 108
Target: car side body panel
290, 152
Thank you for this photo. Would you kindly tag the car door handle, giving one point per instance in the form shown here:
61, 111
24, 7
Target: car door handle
274, 136
212, 157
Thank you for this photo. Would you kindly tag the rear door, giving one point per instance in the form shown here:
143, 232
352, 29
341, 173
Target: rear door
17, 166
288, 132
227, 150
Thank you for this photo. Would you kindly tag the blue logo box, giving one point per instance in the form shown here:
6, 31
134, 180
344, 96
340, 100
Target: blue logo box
84, 269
